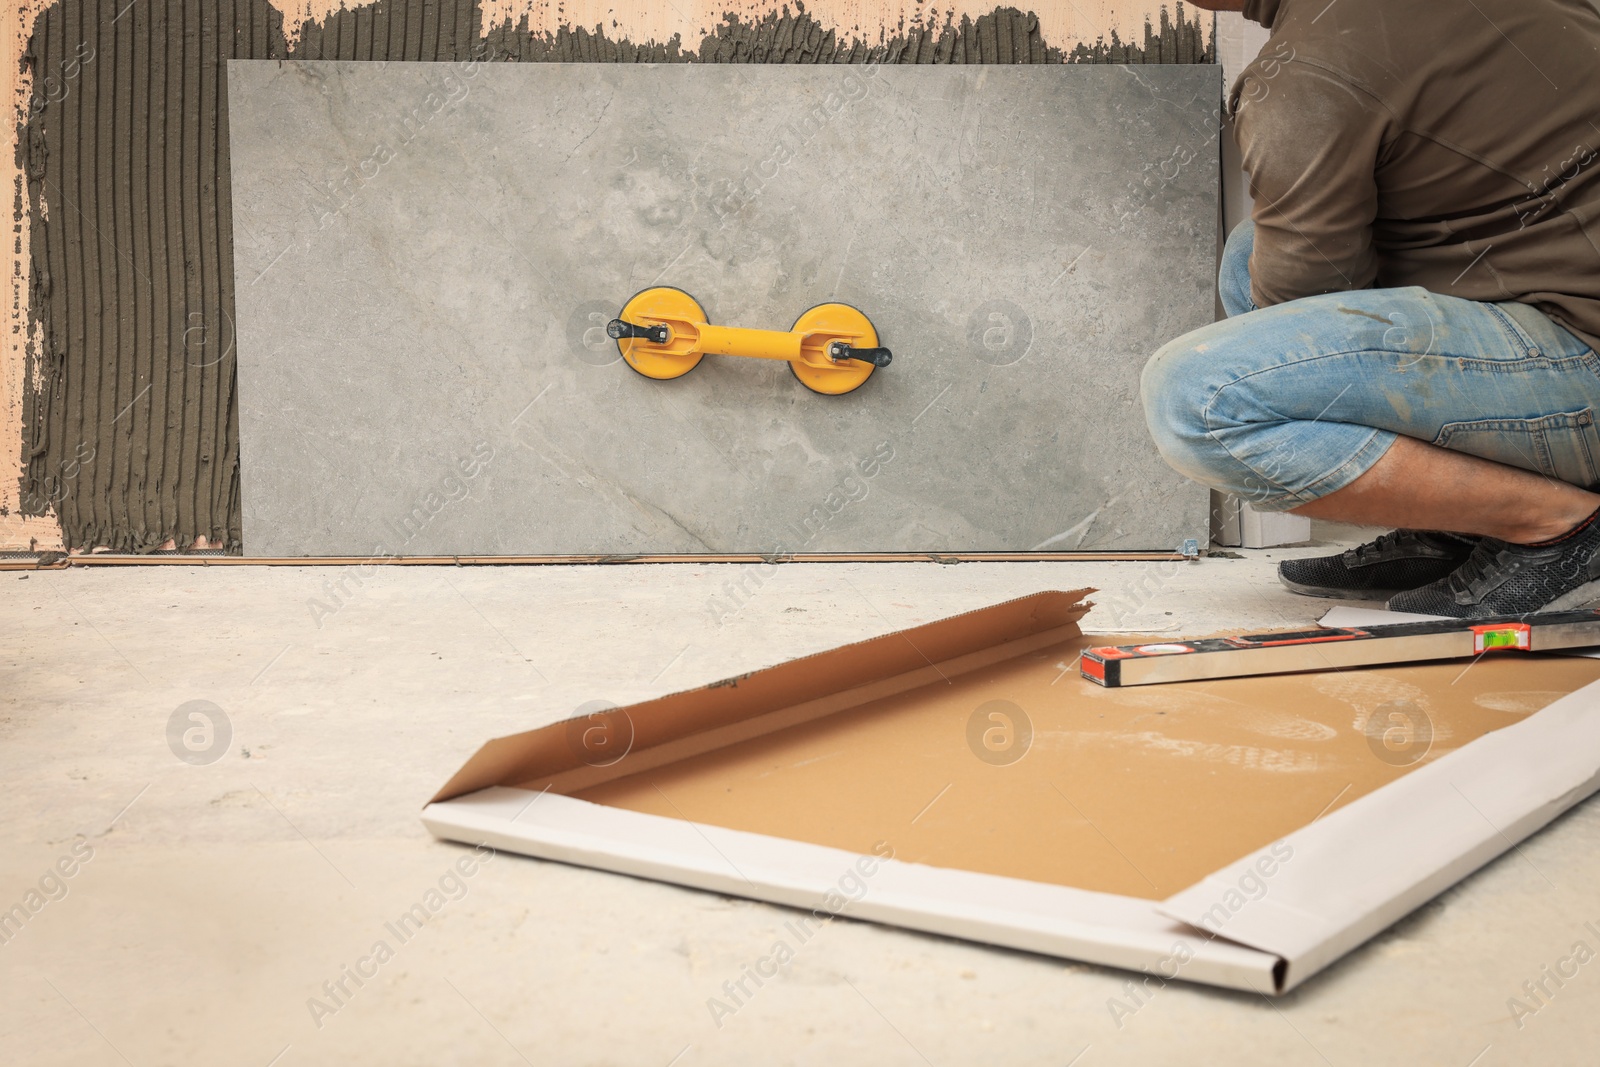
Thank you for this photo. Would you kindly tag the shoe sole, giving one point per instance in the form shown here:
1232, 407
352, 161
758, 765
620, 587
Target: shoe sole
1339, 594
1581, 597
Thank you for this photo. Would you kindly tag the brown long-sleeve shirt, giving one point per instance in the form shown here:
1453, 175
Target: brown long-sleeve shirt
1451, 144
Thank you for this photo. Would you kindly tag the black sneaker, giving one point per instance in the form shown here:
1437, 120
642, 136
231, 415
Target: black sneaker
1505, 579
1378, 570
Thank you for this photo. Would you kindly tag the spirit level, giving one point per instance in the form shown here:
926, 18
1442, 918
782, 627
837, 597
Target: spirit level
1335, 648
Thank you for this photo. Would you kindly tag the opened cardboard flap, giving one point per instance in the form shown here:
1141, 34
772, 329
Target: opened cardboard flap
847, 674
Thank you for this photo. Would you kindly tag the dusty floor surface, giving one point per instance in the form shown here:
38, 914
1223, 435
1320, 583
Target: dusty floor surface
209, 903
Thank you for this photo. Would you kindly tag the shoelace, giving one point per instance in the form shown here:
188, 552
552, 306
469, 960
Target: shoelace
1476, 566
1393, 538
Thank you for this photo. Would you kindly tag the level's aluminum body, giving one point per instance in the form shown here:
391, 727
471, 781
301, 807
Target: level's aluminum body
1336, 648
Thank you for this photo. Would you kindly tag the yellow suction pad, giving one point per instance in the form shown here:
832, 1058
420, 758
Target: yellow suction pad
681, 314
820, 327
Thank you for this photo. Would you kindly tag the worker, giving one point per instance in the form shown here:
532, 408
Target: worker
1414, 307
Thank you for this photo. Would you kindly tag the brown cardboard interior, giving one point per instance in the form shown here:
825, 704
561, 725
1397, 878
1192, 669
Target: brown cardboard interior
1139, 792
570, 755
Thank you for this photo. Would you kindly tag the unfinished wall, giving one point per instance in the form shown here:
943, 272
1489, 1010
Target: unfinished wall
119, 354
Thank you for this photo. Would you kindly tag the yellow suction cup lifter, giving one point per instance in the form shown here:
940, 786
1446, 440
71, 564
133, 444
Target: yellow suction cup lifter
663, 333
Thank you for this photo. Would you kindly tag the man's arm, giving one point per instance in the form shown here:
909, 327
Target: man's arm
1310, 144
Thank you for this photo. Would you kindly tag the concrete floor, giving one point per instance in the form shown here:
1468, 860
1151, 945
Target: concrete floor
209, 903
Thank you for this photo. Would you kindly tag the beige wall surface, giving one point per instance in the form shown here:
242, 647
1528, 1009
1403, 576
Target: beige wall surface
16, 533
1063, 22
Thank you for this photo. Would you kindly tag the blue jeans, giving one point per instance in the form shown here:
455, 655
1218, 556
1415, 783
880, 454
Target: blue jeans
1283, 405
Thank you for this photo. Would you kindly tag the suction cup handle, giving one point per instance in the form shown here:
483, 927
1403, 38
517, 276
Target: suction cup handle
616, 329
838, 351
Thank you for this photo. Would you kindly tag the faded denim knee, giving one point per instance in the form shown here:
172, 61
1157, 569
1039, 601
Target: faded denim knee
1175, 386
1248, 406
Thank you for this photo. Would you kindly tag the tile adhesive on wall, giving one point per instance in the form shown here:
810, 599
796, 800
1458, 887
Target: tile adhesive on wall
130, 427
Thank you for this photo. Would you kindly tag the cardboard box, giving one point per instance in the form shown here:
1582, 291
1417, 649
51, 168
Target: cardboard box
960, 778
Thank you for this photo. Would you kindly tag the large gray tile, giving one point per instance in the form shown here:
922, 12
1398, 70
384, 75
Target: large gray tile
425, 253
